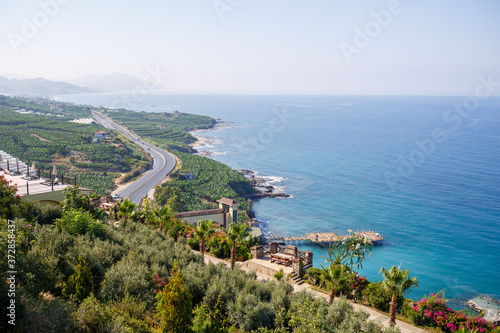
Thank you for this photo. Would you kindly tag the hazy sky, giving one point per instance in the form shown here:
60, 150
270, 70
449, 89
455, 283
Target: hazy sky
263, 46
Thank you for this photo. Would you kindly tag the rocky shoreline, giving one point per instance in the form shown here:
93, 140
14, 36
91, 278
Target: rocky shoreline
487, 306
262, 184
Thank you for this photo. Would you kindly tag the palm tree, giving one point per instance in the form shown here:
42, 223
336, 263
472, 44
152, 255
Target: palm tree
397, 281
203, 232
176, 229
126, 208
236, 234
335, 274
164, 216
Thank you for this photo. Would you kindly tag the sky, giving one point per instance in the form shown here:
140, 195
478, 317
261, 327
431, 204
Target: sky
400, 47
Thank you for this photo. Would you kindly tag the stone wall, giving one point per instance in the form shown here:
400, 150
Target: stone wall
259, 268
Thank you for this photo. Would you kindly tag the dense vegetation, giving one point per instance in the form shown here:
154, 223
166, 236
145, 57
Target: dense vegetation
166, 130
78, 274
53, 140
212, 180
47, 107
81, 275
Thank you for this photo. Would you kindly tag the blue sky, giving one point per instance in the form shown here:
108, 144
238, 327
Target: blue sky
260, 46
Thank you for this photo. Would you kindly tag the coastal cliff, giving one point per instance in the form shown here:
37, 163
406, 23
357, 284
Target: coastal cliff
266, 190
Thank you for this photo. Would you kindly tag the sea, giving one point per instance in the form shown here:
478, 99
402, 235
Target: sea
422, 171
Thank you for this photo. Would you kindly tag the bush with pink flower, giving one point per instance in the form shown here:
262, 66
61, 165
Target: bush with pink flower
218, 246
358, 283
432, 311
159, 283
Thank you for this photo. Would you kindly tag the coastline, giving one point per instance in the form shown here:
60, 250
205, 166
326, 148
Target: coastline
264, 184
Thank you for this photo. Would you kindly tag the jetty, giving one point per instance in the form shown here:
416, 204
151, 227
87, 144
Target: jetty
489, 307
324, 238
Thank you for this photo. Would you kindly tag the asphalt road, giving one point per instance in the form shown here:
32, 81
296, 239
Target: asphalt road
163, 163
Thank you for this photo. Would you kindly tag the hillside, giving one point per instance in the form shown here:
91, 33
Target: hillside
39, 86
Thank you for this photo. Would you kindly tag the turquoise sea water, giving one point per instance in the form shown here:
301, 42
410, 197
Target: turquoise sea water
424, 176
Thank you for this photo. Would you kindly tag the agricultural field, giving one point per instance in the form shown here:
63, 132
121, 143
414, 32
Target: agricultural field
166, 130
212, 180
47, 107
50, 139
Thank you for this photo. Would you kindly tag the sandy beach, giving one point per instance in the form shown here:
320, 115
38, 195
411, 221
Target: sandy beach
200, 141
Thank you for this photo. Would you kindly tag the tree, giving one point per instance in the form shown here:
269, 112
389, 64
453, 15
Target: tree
214, 321
72, 199
125, 209
176, 229
167, 194
349, 252
28, 210
236, 234
174, 304
163, 216
79, 222
202, 232
81, 283
397, 281
8, 199
336, 275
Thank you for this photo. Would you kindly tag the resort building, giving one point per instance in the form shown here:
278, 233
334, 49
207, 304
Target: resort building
226, 214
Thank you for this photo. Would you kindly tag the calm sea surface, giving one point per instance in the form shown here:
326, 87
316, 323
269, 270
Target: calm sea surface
425, 177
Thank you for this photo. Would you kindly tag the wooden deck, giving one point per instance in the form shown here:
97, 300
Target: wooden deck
329, 237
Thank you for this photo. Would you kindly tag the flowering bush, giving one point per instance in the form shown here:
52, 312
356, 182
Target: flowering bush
218, 246
358, 283
8, 199
27, 235
159, 283
189, 232
432, 311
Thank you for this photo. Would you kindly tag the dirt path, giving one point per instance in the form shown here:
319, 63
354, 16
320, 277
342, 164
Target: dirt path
40, 138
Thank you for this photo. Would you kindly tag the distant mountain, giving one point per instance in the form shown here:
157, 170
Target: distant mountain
111, 82
38, 86
15, 76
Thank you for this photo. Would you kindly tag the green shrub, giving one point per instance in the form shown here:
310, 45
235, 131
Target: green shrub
378, 297
93, 316
193, 244
49, 213
79, 222
127, 277
250, 313
47, 314
279, 275
314, 276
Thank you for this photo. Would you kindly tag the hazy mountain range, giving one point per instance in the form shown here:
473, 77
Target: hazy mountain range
84, 84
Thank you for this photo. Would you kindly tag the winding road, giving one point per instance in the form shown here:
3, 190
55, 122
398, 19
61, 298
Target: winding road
163, 162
